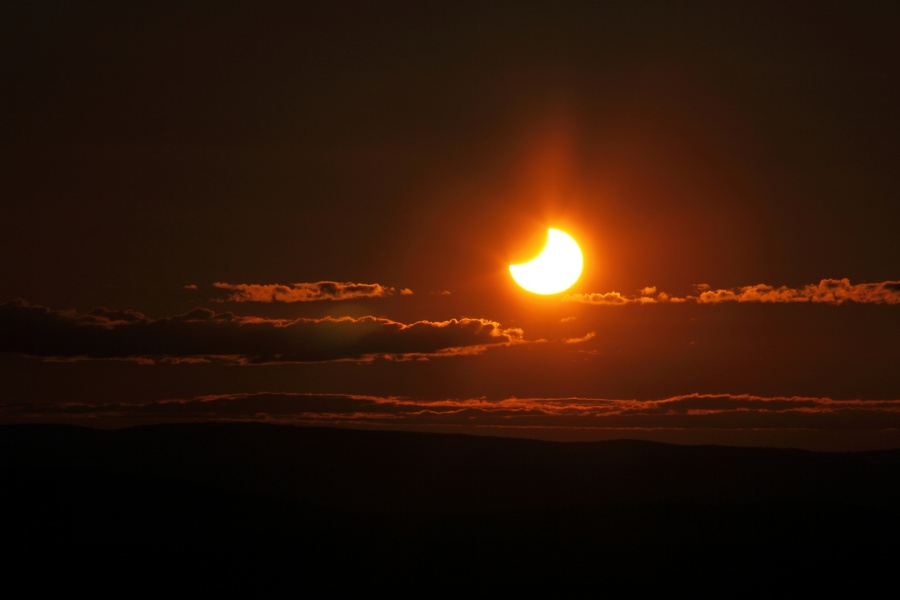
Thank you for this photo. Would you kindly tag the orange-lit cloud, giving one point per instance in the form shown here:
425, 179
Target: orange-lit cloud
104, 334
577, 418
581, 339
305, 292
827, 291
604, 299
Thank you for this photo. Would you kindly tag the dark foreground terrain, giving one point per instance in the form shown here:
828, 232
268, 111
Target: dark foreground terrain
230, 507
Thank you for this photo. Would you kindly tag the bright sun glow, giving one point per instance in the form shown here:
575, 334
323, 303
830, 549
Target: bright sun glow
555, 269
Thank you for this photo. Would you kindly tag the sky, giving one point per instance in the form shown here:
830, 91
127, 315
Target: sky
306, 214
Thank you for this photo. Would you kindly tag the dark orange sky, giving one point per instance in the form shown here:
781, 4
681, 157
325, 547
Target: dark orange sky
729, 172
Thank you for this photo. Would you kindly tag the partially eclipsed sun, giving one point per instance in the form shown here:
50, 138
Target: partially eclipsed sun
555, 269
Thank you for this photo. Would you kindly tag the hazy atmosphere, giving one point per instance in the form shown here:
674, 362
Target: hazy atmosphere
306, 215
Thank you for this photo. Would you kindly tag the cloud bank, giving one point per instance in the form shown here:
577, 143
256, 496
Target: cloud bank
202, 334
827, 291
698, 415
305, 292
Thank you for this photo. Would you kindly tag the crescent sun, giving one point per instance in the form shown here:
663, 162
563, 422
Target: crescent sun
555, 269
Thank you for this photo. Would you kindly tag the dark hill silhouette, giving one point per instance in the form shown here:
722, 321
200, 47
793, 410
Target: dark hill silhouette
201, 497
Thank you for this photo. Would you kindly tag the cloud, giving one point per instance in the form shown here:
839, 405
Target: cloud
203, 334
692, 416
581, 339
305, 292
827, 291
604, 299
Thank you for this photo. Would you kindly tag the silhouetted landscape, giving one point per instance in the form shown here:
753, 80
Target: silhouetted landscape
234, 501
285, 311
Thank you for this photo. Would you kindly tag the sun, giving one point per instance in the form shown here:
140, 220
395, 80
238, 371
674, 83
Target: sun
555, 269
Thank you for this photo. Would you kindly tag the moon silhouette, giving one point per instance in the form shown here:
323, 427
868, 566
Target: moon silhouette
555, 269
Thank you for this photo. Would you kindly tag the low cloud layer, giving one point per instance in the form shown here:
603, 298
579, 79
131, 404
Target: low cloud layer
205, 335
695, 417
827, 291
305, 292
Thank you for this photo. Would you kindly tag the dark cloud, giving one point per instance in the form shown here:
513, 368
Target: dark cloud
306, 292
575, 418
827, 291
202, 334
